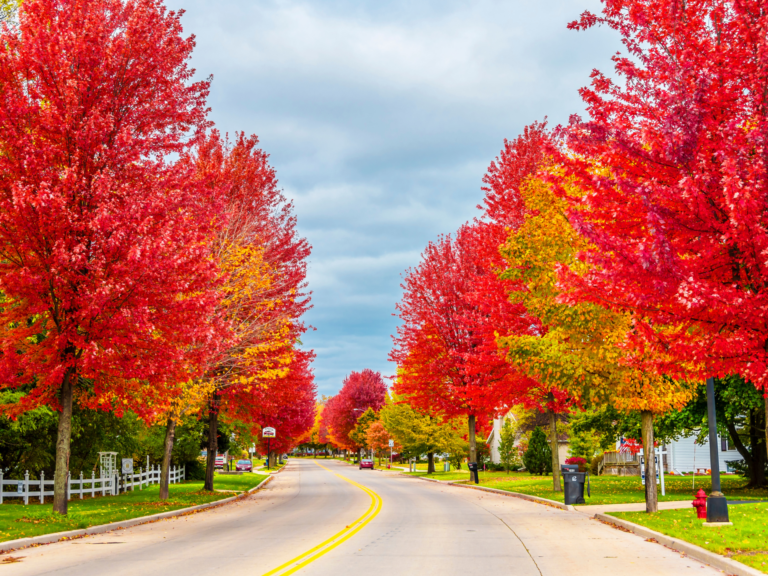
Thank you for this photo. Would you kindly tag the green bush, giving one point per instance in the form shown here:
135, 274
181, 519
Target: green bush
742, 469
195, 470
538, 458
455, 459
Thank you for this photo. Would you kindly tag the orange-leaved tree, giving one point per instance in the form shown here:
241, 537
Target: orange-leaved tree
263, 263
577, 348
378, 439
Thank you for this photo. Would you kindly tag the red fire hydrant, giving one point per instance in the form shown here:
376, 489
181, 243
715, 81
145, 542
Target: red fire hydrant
700, 503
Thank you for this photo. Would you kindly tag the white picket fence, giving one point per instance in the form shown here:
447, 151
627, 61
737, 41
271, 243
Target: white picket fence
84, 486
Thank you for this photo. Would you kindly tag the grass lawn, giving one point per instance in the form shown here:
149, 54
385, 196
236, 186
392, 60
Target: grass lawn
605, 489
745, 541
19, 521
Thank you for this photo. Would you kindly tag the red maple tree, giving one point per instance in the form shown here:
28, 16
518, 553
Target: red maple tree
672, 160
522, 157
286, 404
104, 271
360, 391
452, 307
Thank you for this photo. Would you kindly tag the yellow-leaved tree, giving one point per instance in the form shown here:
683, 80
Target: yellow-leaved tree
8, 9
576, 347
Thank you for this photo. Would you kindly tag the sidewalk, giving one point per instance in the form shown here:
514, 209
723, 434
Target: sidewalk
640, 506
631, 507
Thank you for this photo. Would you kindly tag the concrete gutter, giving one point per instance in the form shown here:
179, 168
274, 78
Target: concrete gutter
100, 529
697, 552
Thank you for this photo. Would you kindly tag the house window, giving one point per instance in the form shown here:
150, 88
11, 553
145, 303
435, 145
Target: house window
726, 444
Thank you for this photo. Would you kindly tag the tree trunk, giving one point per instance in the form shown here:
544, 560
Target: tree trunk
63, 441
273, 459
555, 452
213, 444
757, 472
765, 400
651, 498
430, 462
165, 472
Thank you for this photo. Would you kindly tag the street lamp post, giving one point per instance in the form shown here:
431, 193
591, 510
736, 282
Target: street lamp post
717, 505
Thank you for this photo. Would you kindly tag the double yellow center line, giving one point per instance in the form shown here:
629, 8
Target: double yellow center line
340, 537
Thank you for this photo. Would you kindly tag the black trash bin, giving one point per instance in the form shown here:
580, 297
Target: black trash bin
565, 468
574, 487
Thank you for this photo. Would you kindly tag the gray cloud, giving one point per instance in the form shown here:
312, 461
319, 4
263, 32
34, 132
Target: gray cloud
381, 119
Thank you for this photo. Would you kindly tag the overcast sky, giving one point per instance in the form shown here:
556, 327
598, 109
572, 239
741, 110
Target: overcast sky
381, 119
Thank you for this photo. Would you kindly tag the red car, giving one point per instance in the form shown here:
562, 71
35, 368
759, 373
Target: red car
244, 466
366, 463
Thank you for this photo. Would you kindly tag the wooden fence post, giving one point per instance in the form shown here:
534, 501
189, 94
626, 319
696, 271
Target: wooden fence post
1, 486
81, 484
26, 487
42, 486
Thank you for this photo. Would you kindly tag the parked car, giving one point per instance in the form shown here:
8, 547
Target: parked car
366, 463
244, 466
219, 462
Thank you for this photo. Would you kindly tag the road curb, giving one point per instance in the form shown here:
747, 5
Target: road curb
718, 561
407, 475
534, 499
102, 528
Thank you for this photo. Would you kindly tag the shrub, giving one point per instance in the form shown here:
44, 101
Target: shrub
455, 459
195, 470
538, 458
576, 460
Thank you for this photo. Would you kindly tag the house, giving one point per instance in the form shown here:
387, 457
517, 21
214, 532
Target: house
682, 456
686, 456
494, 438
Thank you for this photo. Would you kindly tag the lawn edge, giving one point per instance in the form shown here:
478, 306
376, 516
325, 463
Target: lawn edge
697, 552
102, 528
529, 497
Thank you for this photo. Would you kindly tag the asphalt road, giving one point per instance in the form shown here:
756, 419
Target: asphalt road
372, 523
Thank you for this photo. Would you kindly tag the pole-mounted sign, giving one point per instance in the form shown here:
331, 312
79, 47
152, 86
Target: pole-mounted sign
127, 465
268, 433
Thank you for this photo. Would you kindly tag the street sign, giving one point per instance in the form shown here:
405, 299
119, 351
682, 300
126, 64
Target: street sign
127, 465
268, 432
391, 443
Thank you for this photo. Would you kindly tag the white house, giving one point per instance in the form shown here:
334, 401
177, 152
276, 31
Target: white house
494, 439
685, 455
